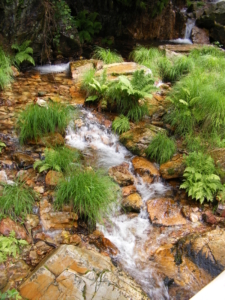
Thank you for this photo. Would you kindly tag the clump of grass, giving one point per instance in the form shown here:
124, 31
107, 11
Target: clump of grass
16, 200
121, 124
36, 121
107, 55
161, 149
86, 80
58, 159
207, 50
5, 69
91, 194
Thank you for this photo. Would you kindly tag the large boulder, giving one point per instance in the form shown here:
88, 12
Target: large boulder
72, 272
173, 168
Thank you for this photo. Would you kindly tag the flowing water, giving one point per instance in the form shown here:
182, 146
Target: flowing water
187, 36
129, 234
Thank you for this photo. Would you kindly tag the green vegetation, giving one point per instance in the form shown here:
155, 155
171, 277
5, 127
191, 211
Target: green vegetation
24, 53
10, 295
36, 121
86, 80
2, 145
201, 182
58, 159
16, 200
107, 55
91, 194
121, 124
10, 246
161, 149
5, 69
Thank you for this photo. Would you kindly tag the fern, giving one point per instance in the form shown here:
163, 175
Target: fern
121, 124
5, 69
24, 53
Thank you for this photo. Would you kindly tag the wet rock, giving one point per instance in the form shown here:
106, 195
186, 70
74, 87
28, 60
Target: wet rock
74, 271
51, 140
52, 220
3, 176
184, 48
133, 202
122, 175
166, 212
75, 239
39, 189
127, 190
38, 252
220, 208
53, 178
139, 137
16, 271
23, 160
210, 218
145, 169
184, 274
173, 168
103, 244
78, 68
7, 225
31, 221
25, 175
200, 35
191, 213
207, 250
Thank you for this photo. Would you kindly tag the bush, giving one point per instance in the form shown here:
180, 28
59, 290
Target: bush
10, 246
24, 53
90, 193
161, 149
58, 159
108, 56
121, 124
35, 121
200, 181
16, 200
5, 69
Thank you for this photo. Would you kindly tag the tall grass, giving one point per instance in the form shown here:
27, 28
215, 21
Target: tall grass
161, 149
5, 69
36, 121
108, 56
86, 80
16, 200
91, 194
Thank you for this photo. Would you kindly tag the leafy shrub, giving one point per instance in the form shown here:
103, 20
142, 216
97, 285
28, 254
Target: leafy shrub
58, 159
24, 53
87, 25
121, 124
107, 55
161, 149
10, 294
16, 200
128, 94
200, 181
90, 193
5, 69
10, 246
36, 121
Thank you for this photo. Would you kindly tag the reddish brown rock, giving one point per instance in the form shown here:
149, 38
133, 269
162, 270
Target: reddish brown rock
210, 218
200, 35
127, 190
165, 211
53, 178
122, 175
133, 202
23, 160
7, 225
145, 169
173, 168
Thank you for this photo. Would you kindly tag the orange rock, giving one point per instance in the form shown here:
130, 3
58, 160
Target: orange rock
7, 225
173, 168
133, 202
53, 178
127, 190
145, 169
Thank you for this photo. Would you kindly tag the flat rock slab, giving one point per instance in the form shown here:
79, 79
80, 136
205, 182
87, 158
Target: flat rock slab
75, 273
165, 211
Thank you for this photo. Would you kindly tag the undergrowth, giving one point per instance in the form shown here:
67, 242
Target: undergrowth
91, 194
5, 69
161, 148
35, 121
107, 56
121, 124
16, 200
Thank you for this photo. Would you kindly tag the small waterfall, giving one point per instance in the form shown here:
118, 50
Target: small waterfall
46, 69
187, 37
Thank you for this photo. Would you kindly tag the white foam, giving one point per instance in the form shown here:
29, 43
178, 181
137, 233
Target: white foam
46, 69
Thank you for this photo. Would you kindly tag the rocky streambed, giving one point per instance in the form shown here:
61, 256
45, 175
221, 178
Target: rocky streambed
161, 245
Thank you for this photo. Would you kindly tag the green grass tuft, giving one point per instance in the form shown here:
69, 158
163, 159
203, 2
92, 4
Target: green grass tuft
161, 149
108, 56
59, 159
5, 69
121, 124
36, 121
91, 194
16, 200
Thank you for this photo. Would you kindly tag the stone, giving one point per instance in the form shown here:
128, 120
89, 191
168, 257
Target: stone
78, 68
39, 189
173, 168
23, 160
25, 175
71, 271
207, 250
133, 202
75, 239
3, 276
183, 48
200, 35
7, 225
3, 176
210, 218
50, 140
145, 169
52, 220
122, 175
165, 211
53, 178
31, 221
127, 190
